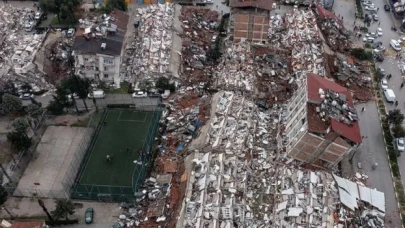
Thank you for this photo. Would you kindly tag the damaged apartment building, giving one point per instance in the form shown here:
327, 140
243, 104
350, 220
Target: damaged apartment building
98, 47
235, 182
249, 20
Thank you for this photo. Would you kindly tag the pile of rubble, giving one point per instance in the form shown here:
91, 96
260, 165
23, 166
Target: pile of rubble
148, 56
336, 36
301, 36
199, 41
18, 48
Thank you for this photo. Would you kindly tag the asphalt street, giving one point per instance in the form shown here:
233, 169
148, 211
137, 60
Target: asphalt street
372, 149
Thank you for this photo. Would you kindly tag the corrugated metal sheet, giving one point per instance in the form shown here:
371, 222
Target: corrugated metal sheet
147, 1
140, 1
162, 1
154, 1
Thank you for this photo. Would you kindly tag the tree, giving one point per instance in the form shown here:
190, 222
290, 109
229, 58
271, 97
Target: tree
11, 104
34, 111
164, 84
55, 107
395, 117
146, 85
117, 4
3, 198
80, 86
361, 54
64, 9
19, 141
64, 208
20, 125
42, 205
398, 131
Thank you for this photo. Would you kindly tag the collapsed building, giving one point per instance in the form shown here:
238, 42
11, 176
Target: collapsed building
98, 46
18, 49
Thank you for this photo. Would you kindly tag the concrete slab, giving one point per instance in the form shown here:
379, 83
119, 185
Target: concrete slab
53, 156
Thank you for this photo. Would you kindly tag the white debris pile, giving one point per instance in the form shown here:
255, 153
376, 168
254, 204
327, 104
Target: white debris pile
302, 37
18, 48
151, 52
275, 26
236, 71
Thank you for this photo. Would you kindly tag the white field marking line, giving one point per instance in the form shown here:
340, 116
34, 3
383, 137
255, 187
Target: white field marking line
140, 121
95, 143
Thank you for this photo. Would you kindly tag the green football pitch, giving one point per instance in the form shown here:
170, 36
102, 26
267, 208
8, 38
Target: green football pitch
121, 129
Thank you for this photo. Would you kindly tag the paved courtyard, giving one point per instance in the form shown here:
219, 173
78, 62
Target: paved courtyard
51, 161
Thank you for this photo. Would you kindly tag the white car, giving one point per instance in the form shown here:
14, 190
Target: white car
368, 3
371, 8
399, 144
38, 16
379, 32
395, 45
27, 96
70, 32
139, 94
384, 84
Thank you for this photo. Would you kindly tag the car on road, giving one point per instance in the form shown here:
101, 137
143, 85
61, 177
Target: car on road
399, 144
384, 84
377, 47
371, 8
389, 95
88, 215
139, 94
368, 39
387, 8
29, 26
395, 45
371, 34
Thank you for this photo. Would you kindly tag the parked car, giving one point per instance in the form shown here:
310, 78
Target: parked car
29, 26
371, 8
379, 32
371, 34
88, 216
154, 94
118, 225
387, 8
139, 94
27, 96
395, 45
389, 95
166, 94
384, 84
97, 94
375, 17
399, 144
38, 16
378, 57
70, 32
369, 39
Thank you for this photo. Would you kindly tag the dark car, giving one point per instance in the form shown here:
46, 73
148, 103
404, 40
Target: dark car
376, 45
118, 225
379, 57
387, 8
262, 104
88, 216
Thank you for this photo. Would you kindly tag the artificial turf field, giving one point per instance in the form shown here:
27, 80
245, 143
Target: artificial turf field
122, 129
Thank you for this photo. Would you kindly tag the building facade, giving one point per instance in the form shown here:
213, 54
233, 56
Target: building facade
320, 124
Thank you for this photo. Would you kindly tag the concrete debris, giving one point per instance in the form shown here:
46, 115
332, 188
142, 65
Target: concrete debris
302, 36
18, 48
199, 43
147, 57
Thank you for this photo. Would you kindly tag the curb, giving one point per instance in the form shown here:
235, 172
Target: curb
386, 150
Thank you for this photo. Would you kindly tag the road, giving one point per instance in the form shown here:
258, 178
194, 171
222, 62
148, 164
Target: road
372, 149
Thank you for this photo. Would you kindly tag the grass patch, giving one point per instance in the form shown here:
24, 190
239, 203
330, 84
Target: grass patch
123, 90
55, 21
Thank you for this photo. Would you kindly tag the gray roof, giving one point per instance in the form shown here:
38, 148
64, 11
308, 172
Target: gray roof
93, 46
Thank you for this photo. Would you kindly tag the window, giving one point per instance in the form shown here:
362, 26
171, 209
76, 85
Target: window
96, 75
302, 120
108, 61
96, 68
105, 68
86, 59
105, 75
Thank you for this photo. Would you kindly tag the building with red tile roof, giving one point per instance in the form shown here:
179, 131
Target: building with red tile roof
321, 124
